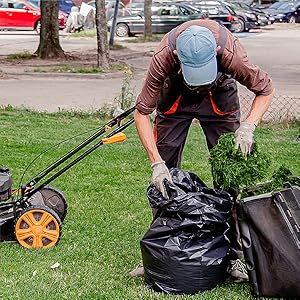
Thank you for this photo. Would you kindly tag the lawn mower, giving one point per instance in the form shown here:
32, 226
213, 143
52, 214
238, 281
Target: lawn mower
32, 214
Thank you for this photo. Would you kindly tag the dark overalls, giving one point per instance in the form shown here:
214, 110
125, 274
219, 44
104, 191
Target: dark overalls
215, 106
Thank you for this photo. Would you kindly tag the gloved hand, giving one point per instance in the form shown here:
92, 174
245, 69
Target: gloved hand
160, 172
244, 137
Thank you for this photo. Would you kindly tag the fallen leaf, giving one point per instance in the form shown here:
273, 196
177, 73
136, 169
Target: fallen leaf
56, 265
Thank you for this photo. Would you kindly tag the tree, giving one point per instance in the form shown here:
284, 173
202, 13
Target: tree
148, 20
102, 41
49, 46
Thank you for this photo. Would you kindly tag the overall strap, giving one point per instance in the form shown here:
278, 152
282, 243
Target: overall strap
222, 39
172, 39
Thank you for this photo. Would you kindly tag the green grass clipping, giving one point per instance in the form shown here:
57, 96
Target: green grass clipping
231, 170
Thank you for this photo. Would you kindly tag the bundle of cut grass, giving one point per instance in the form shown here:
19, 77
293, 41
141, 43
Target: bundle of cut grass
276, 182
232, 170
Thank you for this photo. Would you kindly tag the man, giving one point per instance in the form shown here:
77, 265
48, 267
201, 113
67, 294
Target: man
193, 74
75, 20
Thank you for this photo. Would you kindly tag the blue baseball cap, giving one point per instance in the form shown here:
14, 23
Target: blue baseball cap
196, 50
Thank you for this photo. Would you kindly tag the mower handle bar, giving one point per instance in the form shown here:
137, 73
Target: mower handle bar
110, 138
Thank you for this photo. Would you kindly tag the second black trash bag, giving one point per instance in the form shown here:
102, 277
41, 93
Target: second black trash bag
185, 250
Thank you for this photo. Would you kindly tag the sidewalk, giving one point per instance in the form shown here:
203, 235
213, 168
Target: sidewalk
25, 82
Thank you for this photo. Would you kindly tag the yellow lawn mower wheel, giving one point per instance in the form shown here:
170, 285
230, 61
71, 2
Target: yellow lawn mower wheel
38, 227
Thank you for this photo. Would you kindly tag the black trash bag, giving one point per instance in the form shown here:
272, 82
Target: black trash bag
185, 251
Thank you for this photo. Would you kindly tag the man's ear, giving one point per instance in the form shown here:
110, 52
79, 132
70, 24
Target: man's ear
175, 52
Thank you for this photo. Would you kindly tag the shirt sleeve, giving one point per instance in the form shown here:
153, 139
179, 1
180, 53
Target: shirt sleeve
159, 68
247, 74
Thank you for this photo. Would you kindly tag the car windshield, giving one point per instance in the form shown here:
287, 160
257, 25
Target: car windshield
288, 5
242, 5
187, 10
276, 5
214, 10
111, 4
234, 6
168, 11
194, 8
34, 3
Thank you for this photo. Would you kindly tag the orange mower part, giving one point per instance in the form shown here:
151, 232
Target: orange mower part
38, 227
116, 138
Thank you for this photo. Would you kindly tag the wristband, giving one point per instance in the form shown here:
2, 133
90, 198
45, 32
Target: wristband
157, 163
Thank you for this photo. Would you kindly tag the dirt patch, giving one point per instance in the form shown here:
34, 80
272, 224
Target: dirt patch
74, 62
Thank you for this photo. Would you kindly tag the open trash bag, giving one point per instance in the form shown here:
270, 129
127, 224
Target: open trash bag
185, 251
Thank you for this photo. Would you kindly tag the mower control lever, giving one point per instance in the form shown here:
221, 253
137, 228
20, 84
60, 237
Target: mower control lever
116, 138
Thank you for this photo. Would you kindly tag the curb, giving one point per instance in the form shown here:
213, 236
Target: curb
65, 75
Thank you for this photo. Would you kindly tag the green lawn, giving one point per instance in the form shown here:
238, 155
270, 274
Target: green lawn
108, 211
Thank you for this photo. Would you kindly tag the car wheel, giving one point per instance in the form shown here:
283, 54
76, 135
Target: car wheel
240, 26
292, 19
38, 26
122, 30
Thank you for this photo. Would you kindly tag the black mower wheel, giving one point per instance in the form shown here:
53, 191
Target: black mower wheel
38, 227
51, 197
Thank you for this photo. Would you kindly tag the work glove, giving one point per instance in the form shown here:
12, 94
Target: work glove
160, 172
244, 137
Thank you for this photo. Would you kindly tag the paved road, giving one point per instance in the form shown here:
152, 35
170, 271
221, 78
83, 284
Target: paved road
274, 48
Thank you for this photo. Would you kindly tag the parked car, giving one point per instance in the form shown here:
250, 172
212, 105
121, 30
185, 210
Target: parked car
110, 8
222, 14
247, 19
263, 19
165, 17
262, 4
288, 12
135, 7
272, 8
66, 6
24, 15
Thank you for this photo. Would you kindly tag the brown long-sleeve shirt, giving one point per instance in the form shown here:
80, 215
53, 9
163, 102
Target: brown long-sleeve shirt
233, 61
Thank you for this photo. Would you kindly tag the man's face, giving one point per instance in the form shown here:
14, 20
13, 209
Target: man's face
200, 88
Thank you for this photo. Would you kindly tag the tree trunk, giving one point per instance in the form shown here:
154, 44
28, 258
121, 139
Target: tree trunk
148, 20
49, 46
102, 41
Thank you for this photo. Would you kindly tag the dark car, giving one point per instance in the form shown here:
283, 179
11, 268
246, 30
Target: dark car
272, 8
165, 17
289, 12
110, 8
65, 6
135, 8
262, 4
219, 13
263, 18
246, 19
